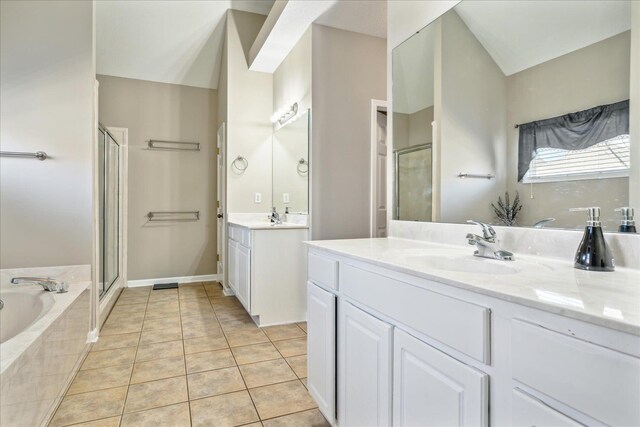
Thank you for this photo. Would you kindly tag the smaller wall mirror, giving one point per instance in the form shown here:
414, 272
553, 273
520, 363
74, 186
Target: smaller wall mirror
291, 165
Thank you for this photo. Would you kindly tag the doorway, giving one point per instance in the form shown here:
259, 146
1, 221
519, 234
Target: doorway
378, 220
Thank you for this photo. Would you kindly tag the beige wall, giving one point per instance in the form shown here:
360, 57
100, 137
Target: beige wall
413, 129
634, 178
292, 79
47, 104
249, 110
349, 70
472, 125
166, 180
595, 75
292, 83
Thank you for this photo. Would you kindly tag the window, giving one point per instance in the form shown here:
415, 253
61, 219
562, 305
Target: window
606, 159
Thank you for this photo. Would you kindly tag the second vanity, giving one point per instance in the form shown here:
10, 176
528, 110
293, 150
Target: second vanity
266, 266
410, 333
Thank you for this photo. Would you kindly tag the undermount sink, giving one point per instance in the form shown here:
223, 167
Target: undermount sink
464, 264
471, 264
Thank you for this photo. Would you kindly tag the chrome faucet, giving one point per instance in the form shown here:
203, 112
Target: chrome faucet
543, 222
274, 218
486, 245
49, 284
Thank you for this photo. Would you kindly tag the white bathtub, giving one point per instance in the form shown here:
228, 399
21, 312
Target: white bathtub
22, 308
43, 338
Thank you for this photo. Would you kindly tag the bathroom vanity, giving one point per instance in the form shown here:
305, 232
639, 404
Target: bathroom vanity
266, 269
405, 333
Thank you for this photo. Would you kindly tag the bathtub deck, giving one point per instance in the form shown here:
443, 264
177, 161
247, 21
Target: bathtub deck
190, 356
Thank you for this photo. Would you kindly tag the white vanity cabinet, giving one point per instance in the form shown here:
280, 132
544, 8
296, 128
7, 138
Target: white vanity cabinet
321, 354
430, 387
267, 271
364, 368
240, 269
411, 351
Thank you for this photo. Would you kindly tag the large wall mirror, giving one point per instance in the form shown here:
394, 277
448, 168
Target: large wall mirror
527, 98
291, 165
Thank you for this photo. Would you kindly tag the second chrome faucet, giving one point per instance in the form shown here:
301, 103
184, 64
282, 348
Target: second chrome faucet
486, 245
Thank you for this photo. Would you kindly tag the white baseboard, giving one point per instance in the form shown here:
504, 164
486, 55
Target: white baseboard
228, 292
184, 279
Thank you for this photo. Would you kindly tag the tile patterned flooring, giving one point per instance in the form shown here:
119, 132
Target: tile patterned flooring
190, 357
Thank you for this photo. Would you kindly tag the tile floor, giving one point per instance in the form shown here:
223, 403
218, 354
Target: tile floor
190, 357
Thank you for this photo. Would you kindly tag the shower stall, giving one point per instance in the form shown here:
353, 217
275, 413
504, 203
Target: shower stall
413, 183
109, 209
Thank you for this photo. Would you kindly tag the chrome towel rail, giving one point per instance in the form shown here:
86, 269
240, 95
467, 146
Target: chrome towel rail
40, 155
157, 144
174, 216
474, 175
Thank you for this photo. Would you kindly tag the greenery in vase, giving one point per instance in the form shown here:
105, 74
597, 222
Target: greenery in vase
505, 211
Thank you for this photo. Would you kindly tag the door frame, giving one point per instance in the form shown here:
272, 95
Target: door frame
376, 105
221, 208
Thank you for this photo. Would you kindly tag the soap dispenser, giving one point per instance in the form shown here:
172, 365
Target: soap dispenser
627, 225
593, 253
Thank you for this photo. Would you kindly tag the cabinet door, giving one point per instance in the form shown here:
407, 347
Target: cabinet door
431, 388
364, 363
321, 357
528, 411
232, 276
244, 276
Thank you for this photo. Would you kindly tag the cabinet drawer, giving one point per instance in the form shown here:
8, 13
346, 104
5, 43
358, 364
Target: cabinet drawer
323, 271
527, 411
245, 237
458, 324
601, 383
233, 232
241, 235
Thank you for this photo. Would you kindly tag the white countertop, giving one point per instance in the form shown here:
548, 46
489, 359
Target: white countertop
256, 225
609, 299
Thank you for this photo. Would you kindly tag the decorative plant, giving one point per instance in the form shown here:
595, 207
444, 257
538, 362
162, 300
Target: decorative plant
507, 212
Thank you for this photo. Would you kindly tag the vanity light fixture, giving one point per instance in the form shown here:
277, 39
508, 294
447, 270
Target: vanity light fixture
287, 115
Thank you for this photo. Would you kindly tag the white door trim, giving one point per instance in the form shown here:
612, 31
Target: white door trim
95, 235
221, 196
376, 105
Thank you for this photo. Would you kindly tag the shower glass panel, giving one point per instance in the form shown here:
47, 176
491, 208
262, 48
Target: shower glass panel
413, 183
108, 187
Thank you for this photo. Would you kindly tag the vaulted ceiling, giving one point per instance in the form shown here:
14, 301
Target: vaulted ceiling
180, 41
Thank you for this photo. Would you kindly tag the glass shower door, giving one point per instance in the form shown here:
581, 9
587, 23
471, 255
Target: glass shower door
109, 208
413, 190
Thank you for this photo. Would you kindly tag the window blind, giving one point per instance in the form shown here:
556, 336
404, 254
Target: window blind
606, 159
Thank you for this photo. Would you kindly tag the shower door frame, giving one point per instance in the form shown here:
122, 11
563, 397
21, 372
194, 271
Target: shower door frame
396, 174
107, 300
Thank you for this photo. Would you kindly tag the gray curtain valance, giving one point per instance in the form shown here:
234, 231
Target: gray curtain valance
574, 131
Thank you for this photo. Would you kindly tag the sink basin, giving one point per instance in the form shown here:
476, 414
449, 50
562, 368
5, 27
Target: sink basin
468, 264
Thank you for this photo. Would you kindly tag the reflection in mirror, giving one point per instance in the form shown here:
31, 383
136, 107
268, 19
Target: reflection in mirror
291, 165
413, 110
533, 94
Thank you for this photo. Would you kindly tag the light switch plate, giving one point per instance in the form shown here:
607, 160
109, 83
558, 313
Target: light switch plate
285, 197
258, 198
